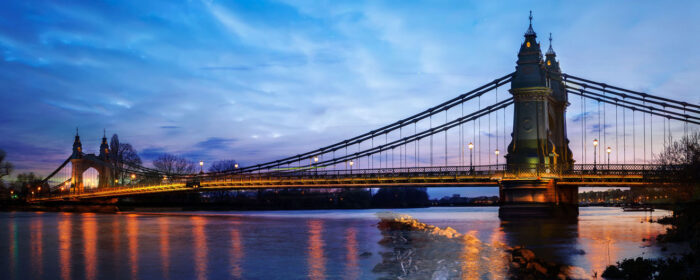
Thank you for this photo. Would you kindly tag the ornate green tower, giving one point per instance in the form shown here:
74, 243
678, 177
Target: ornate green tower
539, 146
531, 146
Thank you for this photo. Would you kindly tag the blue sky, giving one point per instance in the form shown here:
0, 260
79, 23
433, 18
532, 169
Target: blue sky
258, 80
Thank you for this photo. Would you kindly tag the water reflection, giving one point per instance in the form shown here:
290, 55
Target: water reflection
132, 231
352, 269
316, 259
605, 241
90, 245
470, 258
163, 223
37, 246
236, 254
552, 239
498, 267
13, 248
200, 246
328, 245
64, 244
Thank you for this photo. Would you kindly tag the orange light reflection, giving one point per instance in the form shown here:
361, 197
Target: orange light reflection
352, 270
470, 256
37, 247
90, 244
164, 246
132, 231
64, 244
236, 254
200, 246
316, 260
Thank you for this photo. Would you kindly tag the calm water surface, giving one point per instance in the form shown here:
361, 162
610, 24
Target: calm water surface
323, 244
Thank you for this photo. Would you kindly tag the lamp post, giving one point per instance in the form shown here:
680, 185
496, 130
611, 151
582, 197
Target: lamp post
471, 158
351, 164
315, 167
608, 150
133, 176
595, 163
201, 167
496, 152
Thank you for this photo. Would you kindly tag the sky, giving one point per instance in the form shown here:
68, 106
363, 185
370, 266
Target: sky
259, 80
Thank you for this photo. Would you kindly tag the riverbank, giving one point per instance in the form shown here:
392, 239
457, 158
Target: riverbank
685, 227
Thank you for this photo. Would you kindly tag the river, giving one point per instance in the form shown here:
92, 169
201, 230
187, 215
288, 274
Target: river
313, 244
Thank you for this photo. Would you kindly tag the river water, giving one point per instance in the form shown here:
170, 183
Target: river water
315, 244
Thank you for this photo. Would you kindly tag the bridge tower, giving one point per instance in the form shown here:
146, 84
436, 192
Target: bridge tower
80, 162
539, 145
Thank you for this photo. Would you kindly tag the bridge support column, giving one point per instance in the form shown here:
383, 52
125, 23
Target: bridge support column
537, 198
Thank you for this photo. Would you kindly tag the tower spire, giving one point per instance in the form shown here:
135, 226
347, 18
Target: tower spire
104, 146
550, 51
530, 31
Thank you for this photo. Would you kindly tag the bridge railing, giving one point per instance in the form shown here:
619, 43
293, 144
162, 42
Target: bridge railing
476, 173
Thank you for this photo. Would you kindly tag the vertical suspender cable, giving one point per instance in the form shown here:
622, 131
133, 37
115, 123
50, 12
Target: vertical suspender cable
445, 138
488, 135
479, 145
431, 140
386, 154
644, 134
617, 135
461, 138
651, 135
599, 128
634, 142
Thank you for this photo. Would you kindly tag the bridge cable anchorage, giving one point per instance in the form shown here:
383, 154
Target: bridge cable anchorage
391, 127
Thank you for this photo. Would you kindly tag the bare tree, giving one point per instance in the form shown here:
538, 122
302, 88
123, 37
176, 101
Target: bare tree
685, 152
122, 155
5, 167
172, 164
223, 165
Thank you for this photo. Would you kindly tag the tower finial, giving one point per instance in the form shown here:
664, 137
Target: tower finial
550, 51
76, 131
530, 31
104, 131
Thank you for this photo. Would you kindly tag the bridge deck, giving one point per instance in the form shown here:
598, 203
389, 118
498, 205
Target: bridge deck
579, 175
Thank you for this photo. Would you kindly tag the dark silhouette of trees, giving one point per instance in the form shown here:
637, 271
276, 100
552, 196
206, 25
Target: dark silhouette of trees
5, 167
172, 164
122, 155
684, 152
400, 197
223, 165
28, 182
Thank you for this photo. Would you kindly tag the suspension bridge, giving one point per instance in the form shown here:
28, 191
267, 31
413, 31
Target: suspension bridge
620, 133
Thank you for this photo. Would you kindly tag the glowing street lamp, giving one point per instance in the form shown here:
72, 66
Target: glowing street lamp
315, 159
471, 157
608, 150
497, 152
595, 146
201, 167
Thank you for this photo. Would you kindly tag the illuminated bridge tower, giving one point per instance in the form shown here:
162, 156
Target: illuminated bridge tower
80, 162
539, 145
